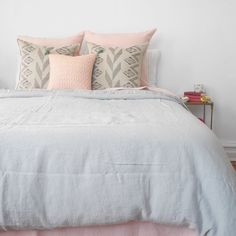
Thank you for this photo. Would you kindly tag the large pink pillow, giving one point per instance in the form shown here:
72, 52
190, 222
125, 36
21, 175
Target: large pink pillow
123, 40
55, 42
67, 72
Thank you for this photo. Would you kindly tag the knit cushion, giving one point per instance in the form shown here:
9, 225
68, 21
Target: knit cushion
71, 72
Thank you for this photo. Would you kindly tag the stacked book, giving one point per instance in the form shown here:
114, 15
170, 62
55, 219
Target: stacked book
193, 96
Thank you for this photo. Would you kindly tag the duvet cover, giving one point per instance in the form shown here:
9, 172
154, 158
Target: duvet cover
82, 158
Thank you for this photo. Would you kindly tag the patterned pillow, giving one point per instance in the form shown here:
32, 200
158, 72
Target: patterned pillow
34, 72
123, 40
55, 42
117, 67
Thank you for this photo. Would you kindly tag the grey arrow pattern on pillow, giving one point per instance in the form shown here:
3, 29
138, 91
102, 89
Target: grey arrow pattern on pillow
35, 68
117, 67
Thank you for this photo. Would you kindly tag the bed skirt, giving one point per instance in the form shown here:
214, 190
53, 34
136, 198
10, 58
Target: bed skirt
128, 229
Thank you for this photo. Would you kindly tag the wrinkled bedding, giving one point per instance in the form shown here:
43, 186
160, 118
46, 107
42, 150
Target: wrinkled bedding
108, 157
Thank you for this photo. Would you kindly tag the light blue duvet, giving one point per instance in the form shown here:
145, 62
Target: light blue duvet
73, 158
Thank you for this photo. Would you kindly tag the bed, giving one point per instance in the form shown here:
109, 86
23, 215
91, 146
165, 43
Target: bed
95, 158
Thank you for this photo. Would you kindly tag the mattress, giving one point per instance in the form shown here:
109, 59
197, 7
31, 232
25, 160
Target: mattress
88, 158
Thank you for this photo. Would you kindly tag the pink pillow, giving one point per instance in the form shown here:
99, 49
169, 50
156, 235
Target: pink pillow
67, 72
123, 40
53, 42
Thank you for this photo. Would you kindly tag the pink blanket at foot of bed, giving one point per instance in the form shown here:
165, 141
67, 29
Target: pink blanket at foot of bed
129, 229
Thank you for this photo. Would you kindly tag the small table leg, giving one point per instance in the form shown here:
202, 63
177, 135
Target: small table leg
211, 115
204, 113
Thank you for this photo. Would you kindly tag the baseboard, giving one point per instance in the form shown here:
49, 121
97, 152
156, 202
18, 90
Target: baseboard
230, 148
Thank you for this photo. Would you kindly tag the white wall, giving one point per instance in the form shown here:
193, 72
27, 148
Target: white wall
197, 39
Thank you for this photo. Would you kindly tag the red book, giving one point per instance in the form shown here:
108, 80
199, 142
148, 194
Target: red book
194, 96
191, 93
195, 100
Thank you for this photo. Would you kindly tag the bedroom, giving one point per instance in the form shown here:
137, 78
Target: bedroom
124, 133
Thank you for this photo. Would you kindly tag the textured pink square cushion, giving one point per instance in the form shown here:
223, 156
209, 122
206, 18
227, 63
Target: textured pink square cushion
67, 72
123, 40
55, 42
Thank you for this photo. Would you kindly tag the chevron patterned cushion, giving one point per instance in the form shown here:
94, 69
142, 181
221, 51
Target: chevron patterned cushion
34, 72
55, 42
123, 40
117, 67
